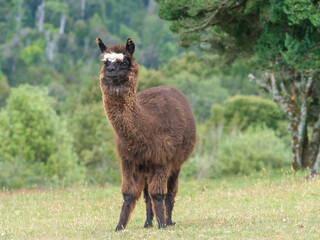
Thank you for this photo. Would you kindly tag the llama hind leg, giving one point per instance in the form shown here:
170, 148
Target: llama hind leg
158, 190
172, 191
149, 211
132, 186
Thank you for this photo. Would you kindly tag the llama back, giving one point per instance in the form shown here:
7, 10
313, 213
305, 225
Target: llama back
175, 119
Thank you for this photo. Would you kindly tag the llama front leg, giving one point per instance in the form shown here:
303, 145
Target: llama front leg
158, 190
126, 210
132, 186
172, 191
149, 211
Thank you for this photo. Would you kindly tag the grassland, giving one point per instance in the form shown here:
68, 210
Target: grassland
264, 206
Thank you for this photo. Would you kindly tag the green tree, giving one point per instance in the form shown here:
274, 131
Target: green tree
149, 78
33, 135
243, 112
195, 78
4, 89
93, 137
283, 35
94, 144
266, 151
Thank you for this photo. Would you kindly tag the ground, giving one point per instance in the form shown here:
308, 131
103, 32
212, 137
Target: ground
280, 205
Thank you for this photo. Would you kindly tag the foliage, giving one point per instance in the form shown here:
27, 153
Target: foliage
93, 141
297, 50
149, 78
243, 28
69, 31
250, 151
35, 142
242, 112
196, 81
33, 53
4, 89
250, 29
224, 26
65, 59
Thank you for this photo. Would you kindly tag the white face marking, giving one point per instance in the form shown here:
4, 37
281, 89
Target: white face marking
112, 57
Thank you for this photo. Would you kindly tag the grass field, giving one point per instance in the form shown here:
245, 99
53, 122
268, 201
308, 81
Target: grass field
264, 206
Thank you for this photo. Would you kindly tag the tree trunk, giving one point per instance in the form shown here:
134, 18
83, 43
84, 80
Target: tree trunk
317, 163
296, 107
19, 15
314, 143
83, 9
152, 5
62, 22
51, 40
40, 16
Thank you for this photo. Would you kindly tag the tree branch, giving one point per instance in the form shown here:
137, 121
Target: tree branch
283, 87
215, 10
260, 82
208, 21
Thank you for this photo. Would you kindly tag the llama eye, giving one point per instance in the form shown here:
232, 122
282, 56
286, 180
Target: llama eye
125, 64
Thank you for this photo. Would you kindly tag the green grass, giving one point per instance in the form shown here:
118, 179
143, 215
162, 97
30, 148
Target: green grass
263, 206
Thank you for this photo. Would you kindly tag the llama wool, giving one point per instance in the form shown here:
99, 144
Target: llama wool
112, 57
154, 135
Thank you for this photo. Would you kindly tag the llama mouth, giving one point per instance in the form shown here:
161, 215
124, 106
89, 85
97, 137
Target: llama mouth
114, 80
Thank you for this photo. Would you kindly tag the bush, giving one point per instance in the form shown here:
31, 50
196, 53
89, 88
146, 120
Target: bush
35, 142
4, 89
245, 111
93, 138
240, 112
250, 151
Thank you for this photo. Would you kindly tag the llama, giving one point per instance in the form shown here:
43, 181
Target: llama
154, 134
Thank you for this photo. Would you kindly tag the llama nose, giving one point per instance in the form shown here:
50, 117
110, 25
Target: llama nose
111, 68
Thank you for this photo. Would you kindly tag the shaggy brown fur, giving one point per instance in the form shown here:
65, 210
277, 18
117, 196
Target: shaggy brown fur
154, 135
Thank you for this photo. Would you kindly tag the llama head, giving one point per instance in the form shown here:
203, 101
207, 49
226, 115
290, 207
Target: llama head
119, 70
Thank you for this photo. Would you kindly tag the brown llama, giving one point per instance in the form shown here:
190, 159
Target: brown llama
154, 134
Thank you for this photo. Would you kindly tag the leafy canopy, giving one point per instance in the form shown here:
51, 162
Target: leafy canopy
285, 32
36, 147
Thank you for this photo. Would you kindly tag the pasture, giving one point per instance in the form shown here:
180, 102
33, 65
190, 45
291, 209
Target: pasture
280, 205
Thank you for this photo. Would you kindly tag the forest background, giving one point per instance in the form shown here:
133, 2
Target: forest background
53, 131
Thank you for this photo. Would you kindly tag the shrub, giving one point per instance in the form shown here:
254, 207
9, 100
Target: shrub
250, 151
241, 111
4, 89
35, 142
93, 138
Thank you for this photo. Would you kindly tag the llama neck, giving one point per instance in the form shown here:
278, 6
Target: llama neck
125, 115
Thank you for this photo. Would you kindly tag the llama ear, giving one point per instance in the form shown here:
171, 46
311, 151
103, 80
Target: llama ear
101, 45
130, 46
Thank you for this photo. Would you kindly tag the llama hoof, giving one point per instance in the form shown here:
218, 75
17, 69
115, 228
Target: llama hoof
119, 228
170, 223
162, 226
148, 225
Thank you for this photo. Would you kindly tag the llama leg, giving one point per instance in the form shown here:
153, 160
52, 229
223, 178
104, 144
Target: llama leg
126, 210
132, 186
149, 211
159, 208
172, 191
158, 190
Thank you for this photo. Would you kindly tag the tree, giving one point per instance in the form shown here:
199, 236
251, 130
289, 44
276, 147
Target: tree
266, 151
284, 38
4, 89
36, 147
242, 112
